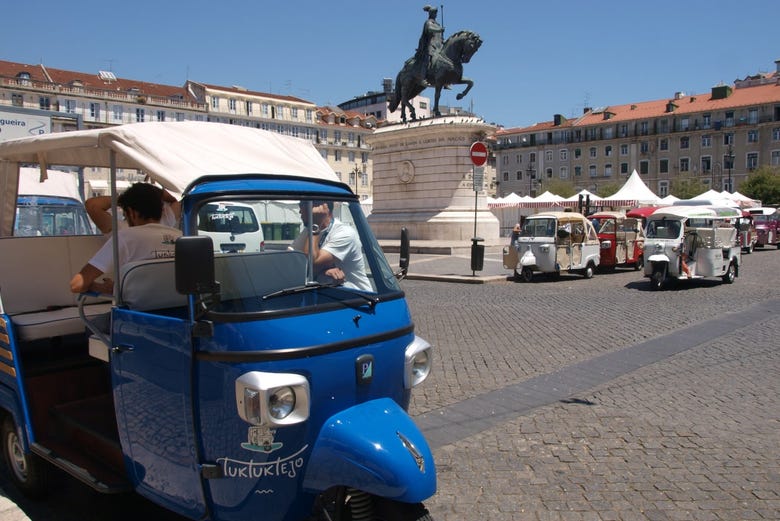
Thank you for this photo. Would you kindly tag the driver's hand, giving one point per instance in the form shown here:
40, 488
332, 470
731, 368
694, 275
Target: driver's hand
336, 274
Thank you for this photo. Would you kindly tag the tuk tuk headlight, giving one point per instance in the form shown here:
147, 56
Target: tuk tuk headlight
605, 245
275, 399
417, 365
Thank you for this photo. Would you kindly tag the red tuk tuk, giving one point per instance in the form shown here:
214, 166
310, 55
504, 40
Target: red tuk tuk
622, 239
767, 222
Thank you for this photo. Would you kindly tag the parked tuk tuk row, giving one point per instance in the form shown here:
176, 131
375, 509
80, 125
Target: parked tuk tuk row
687, 240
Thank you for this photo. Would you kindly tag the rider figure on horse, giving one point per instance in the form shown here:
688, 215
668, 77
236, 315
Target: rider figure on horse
431, 41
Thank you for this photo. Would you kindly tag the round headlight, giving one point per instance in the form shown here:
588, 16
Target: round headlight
281, 403
421, 366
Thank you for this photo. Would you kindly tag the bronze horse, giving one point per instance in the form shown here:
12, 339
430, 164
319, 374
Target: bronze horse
446, 68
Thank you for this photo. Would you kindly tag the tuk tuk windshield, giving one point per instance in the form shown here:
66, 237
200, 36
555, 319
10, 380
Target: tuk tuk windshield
663, 229
541, 227
272, 254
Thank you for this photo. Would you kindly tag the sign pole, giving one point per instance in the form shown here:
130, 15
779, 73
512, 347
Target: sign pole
478, 153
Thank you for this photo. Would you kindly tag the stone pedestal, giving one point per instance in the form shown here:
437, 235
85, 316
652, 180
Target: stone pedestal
423, 181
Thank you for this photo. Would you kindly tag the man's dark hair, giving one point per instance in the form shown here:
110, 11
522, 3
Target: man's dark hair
144, 198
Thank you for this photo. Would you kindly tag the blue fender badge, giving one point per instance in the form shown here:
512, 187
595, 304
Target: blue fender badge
364, 369
261, 439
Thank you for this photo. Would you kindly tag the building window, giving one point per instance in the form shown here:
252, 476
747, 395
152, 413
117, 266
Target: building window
94, 111
364, 157
294, 112
728, 139
608, 133
644, 167
752, 136
685, 164
608, 151
180, 116
564, 154
215, 102
776, 134
706, 120
564, 174
363, 178
753, 117
248, 107
592, 171
706, 164
685, 142
623, 150
644, 128
505, 175
337, 155
17, 100
279, 112
664, 144
663, 188
592, 151
160, 115
752, 161
623, 132
309, 115
324, 153
140, 115
519, 175
548, 155
117, 112
44, 103
265, 110
624, 168
730, 118
70, 106
608, 170
644, 147
775, 157
351, 156
663, 166
231, 105
706, 141
685, 124
577, 171
578, 152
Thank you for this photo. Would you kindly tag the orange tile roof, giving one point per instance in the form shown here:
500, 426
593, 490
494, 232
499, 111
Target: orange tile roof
686, 104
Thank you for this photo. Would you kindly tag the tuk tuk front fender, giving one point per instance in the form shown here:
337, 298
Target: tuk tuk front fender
528, 259
374, 447
658, 257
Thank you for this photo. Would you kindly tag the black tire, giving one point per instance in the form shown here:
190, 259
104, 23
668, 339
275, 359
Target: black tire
526, 274
389, 510
731, 274
657, 279
516, 276
589, 271
28, 472
640, 263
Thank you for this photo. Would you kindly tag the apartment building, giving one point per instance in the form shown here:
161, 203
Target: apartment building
70, 100
718, 137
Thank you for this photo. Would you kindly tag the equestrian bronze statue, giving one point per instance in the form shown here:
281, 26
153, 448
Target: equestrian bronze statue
437, 63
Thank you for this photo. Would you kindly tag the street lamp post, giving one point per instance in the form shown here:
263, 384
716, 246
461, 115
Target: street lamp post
531, 176
730, 157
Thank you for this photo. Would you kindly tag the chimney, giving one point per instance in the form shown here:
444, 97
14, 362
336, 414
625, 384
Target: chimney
585, 110
721, 92
558, 120
387, 85
679, 95
777, 66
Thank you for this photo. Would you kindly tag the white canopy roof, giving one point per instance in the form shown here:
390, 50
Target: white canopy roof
634, 189
547, 197
583, 193
669, 199
57, 183
175, 153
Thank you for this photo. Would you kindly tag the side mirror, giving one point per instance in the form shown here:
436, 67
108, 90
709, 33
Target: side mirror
194, 264
404, 258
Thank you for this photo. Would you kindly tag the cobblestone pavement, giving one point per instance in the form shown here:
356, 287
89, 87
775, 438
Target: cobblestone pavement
578, 399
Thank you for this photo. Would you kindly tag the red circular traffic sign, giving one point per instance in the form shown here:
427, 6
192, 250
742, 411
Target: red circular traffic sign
478, 153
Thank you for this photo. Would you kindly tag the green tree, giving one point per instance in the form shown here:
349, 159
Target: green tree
608, 189
560, 187
764, 185
687, 187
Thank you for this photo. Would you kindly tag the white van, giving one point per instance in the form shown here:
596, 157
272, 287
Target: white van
232, 225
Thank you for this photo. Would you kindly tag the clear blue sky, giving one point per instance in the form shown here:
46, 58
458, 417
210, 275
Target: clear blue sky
537, 59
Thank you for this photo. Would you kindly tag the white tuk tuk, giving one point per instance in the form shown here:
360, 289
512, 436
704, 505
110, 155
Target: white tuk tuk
692, 242
554, 241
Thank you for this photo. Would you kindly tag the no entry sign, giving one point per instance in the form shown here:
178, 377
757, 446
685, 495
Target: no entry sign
478, 153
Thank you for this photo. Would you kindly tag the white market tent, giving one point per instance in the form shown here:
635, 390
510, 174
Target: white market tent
669, 199
172, 154
584, 193
634, 192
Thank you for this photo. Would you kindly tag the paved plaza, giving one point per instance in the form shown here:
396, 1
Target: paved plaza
576, 399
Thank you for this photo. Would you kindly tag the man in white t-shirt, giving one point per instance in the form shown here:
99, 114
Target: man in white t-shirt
99, 210
144, 238
337, 250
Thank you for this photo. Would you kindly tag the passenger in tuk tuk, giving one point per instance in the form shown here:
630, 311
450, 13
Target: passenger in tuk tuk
337, 250
99, 210
144, 239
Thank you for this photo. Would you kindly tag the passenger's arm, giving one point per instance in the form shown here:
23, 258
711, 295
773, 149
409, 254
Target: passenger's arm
97, 209
85, 280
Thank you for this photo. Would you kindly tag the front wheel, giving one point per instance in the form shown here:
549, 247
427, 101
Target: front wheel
657, 279
28, 472
731, 274
526, 274
589, 271
640, 263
